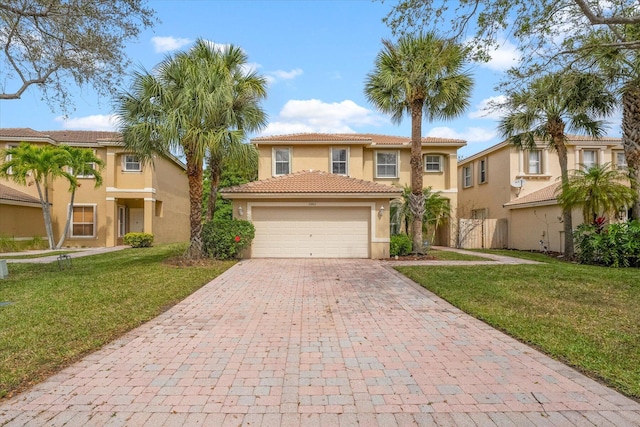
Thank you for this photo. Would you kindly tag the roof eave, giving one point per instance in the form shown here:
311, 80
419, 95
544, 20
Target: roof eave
531, 204
321, 195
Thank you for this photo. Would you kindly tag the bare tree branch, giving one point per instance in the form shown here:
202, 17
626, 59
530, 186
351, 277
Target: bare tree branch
602, 20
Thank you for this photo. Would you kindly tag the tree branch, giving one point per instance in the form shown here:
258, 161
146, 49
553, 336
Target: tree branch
601, 20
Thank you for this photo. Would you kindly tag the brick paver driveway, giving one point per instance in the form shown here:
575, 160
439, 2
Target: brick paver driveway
317, 342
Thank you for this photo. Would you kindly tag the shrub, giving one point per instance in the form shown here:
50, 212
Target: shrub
138, 240
616, 245
400, 245
225, 239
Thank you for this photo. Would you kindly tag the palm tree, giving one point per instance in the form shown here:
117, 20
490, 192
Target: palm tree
80, 162
599, 190
419, 75
182, 106
547, 108
436, 210
40, 165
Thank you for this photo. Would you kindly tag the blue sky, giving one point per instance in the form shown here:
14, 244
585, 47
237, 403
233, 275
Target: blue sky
315, 54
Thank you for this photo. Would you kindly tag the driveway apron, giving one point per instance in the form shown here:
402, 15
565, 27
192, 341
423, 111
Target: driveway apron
323, 343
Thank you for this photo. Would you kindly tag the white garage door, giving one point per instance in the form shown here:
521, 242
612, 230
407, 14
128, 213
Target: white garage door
311, 232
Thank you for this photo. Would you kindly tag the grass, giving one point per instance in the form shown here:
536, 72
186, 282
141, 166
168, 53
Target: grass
455, 256
58, 316
8, 244
41, 255
586, 316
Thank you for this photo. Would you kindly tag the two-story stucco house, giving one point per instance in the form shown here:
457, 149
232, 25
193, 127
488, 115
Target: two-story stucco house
328, 195
133, 197
517, 188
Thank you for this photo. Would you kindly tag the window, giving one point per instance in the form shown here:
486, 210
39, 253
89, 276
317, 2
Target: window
83, 221
433, 163
535, 162
467, 178
589, 158
482, 173
478, 213
282, 161
386, 164
10, 170
131, 163
621, 160
87, 172
339, 161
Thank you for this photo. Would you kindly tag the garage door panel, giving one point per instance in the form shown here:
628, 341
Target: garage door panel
318, 232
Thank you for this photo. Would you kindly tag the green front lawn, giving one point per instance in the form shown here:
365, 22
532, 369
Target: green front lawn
56, 316
441, 255
585, 316
40, 255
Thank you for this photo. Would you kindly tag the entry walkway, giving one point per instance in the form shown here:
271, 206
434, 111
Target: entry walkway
317, 343
74, 253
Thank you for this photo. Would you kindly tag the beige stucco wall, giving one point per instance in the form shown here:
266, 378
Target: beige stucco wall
21, 221
378, 243
170, 208
530, 225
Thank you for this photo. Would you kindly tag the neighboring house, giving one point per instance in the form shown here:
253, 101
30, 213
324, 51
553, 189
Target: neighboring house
510, 193
133, 197
327, 195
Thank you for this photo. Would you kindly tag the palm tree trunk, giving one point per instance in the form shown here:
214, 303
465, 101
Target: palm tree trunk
631, 140
416, 198
566, 212
194, 175
46, 212
65, 231
215, 170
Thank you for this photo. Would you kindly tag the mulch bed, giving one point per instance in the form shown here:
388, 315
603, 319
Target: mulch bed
416, 257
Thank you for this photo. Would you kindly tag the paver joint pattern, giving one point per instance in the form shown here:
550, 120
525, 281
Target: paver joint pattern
317, 343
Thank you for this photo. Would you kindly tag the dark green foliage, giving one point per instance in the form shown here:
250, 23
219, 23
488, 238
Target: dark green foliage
616, 245
400, 245
225, 239
138, 240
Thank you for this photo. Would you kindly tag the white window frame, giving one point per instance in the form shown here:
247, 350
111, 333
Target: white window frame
333, 162
125, 162
93, 166
397, 157
595, 159
431, 162
8, 157
538, 162
619, 155
122, 220
482, 171
93, 223
275, 162
467, 176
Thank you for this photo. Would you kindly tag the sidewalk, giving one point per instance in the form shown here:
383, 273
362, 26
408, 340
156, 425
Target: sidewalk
492, 259
77, 253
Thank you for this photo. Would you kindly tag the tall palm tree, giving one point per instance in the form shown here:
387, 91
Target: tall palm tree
40, 165
420, 75
546, 109
182, 107
81, 162
600, 190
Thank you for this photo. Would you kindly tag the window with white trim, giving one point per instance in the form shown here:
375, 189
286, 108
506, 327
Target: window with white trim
620, 160
589, 158
482, 171
433, 163
534, 165
281, 161
8, 157
339, 161
88, 172
386, 164
467, 176
479, 213
131, 163
83, 221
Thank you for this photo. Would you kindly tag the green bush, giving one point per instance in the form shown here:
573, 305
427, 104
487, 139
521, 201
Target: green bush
400, 245
616, 245
225, 239
138, 240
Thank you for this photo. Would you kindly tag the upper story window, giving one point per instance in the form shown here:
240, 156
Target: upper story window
87, 172
467, 176
589, 158
339, 161
8, 157
386, 164
534, 165
131, 163
433, 163
281, 161
620, 160
482, 171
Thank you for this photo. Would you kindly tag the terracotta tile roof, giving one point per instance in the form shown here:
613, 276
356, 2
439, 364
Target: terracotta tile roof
20, 133
313, 182
8, 193
363, 138
80, 136
586, 138
546, 194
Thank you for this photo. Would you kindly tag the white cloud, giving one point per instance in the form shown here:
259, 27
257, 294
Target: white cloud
280, 75
167, 44
313, 115
488, 108
503, 57
470, 134
103, 122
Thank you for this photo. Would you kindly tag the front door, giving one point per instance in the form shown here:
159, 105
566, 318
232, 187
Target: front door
136, 220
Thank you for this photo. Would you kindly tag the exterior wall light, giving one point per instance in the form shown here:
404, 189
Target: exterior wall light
381, 211
240, 211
